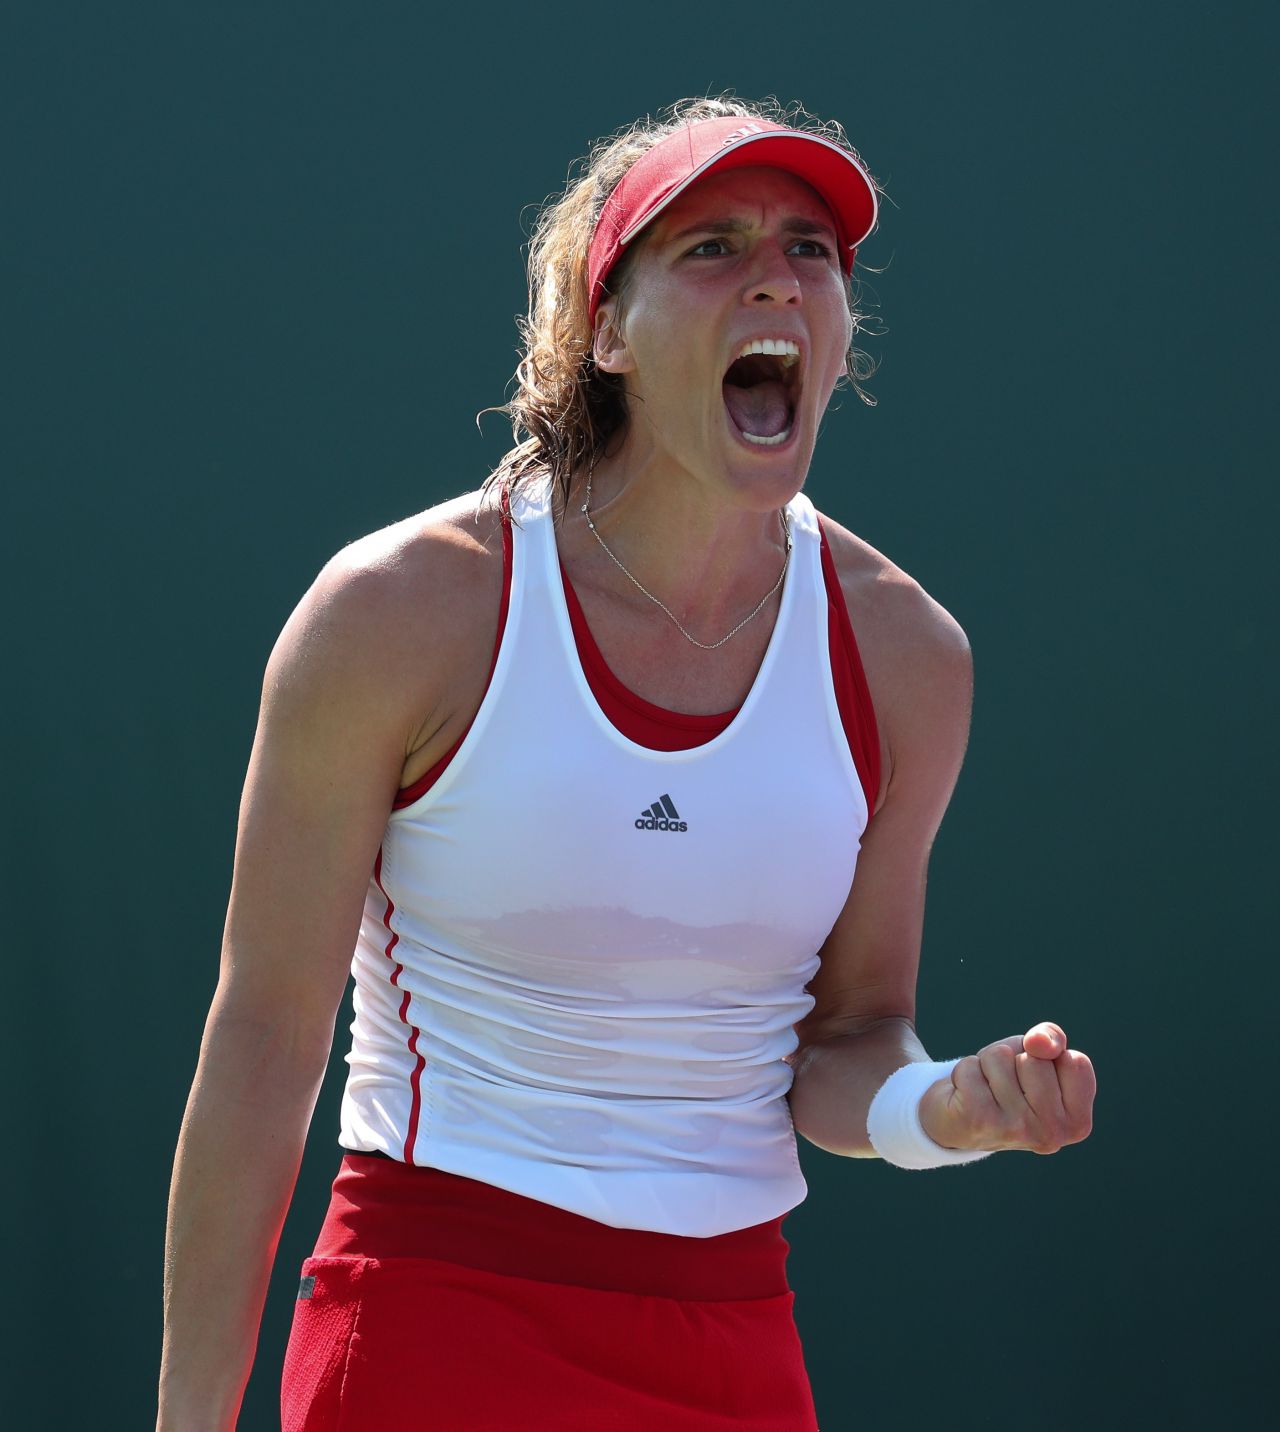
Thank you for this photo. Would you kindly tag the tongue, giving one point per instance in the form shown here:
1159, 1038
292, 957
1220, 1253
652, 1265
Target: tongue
761, 411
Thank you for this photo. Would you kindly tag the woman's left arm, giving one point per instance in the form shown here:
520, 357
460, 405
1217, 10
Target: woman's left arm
1025, 1092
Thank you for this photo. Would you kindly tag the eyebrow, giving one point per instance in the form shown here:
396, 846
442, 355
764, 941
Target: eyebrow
794, 225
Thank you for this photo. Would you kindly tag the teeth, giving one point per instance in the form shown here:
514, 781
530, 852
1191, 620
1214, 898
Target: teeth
783, 348
768, 442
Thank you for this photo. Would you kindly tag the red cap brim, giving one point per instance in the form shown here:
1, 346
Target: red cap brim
660, 176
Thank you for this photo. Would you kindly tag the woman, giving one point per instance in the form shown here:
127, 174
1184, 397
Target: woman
609, 744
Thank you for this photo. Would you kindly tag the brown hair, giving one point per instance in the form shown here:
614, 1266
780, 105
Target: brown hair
565, 410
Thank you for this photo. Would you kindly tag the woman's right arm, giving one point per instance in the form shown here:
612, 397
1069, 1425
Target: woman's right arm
337, 717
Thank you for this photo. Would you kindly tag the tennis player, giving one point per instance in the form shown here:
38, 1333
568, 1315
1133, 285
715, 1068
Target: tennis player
582, 767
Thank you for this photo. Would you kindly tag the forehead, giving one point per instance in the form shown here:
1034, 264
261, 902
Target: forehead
747, 193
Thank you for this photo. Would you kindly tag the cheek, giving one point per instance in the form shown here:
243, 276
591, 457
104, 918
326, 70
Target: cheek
838, 324
673, 362
666, 377
831, 371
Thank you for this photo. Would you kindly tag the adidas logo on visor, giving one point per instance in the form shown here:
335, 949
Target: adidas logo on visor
661, 815
747, 129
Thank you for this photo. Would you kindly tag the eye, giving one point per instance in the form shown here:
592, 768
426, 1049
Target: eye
705, 248
815, 248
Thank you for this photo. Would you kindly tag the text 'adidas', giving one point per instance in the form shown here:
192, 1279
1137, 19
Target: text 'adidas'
661, 815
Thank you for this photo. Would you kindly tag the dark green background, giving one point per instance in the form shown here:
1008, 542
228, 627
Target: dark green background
261, 263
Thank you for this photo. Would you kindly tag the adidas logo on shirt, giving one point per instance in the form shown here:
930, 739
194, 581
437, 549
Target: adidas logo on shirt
661, 815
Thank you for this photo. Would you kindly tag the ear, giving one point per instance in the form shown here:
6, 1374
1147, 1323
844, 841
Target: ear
608, 342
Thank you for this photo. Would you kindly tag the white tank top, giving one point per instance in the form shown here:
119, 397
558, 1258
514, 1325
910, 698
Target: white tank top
581, 960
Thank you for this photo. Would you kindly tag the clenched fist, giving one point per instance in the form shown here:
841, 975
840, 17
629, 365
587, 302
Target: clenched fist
1026, 1092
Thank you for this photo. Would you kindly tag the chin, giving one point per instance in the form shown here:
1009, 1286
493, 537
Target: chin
766, 491
769, 477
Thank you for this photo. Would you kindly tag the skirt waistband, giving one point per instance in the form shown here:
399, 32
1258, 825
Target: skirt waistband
381, 1208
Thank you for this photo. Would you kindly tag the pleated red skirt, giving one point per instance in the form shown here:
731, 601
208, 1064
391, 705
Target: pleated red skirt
439, 1303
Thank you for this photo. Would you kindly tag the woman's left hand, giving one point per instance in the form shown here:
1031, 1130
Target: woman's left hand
1026, 1092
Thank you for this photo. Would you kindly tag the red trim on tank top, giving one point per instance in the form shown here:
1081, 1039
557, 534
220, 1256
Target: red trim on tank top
659, 729
415, 1079
406, 795
853, 695
653, 727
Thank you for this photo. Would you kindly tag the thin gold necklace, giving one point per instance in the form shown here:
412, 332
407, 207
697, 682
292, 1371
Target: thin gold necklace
658, 602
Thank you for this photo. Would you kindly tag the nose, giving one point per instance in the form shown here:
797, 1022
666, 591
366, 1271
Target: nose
774, 281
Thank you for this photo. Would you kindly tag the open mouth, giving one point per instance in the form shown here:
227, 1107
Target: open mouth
761, 389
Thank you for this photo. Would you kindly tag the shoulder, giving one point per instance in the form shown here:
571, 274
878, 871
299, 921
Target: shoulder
891, 606
398, 608
448, 553
916, 655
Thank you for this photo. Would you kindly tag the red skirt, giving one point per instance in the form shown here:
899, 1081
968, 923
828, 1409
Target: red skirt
439, 1303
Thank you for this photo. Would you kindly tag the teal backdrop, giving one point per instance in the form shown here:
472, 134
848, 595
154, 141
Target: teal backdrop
261, 264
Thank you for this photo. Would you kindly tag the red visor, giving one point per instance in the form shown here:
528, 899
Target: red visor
661, 175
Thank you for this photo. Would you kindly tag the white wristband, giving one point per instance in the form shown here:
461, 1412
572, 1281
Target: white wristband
893, 1120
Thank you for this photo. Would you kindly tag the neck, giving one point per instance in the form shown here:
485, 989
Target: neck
706, 554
